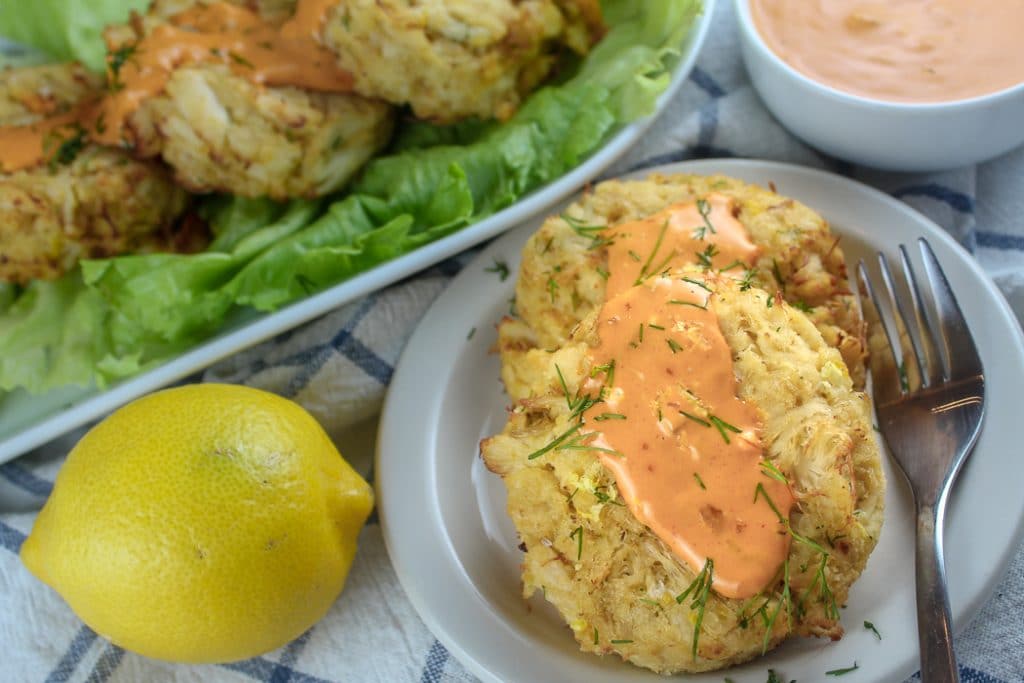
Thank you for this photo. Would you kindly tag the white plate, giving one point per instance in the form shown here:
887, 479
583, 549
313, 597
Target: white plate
27, 421
454, 548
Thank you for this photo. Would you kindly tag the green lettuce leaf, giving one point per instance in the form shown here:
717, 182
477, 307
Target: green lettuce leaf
123, 314
67, 30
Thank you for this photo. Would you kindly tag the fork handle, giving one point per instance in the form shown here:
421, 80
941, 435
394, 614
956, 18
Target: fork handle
934, 625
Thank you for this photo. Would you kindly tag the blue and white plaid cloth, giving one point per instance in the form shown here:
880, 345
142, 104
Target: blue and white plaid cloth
340, 365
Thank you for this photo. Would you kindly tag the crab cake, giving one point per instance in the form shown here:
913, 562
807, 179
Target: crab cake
451, 59
561, 278
222, 132
619, 585
77, 200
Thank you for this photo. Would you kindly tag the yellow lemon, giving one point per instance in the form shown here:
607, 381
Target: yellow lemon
205, 523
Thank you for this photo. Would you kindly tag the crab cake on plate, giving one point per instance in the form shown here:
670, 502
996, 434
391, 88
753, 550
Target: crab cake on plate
68, 199
215, 121
562, 275
692, 474
450, 59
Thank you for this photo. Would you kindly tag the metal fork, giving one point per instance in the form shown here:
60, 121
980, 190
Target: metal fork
930, 405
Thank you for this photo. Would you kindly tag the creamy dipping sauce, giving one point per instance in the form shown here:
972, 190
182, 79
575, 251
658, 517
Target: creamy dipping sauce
685, 450
901, 50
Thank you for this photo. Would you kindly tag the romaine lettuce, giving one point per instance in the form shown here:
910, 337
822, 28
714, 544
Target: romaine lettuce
119, 315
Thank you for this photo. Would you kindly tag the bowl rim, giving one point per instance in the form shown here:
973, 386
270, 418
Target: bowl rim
754, 38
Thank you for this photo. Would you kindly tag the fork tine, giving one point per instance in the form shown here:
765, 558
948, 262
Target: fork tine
960, 355
888, 382
910, 375
923, 334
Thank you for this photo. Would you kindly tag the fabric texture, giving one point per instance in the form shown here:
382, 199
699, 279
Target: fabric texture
339, 366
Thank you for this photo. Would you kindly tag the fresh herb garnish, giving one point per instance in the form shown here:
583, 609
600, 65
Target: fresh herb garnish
609, 416
69, 148
603, 497
871, 627
704, 257
499, 267
674, 345
695, 418
609, 371
117, 59
621, 642
650, 258
577, 533
840, 672
778, 274
680, 302
700, 588
704, 209
700, 284
770, 470
748, 279
552, 287
558, 440
700, 482
655, 327
721, 425
239, 59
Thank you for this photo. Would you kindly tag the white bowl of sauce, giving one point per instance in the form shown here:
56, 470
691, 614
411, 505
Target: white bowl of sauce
905, 85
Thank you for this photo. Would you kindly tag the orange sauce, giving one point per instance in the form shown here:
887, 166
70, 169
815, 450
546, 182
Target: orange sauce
287, 54
265, 53
686, 454
23, 147
902, 50
682, 234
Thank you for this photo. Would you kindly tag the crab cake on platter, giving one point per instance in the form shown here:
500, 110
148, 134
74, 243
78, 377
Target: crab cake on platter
561, 278
450, 59
592, 545
70, 199
222, 130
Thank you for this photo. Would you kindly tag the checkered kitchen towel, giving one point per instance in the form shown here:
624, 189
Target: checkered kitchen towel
340, 365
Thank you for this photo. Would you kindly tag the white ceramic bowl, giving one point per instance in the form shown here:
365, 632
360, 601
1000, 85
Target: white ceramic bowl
889, 135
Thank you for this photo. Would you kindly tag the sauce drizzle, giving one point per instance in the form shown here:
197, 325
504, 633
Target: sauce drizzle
265, 53
682, 234
687, 457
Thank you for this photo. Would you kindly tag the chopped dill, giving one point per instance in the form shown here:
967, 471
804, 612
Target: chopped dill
704, 257
674, 345
700, 482
577, 533
695, 418
499, 267
552, 287
609, 416
700, 587
871, 627
680, 302
700, 284
723, 427
557, 441
840, 672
